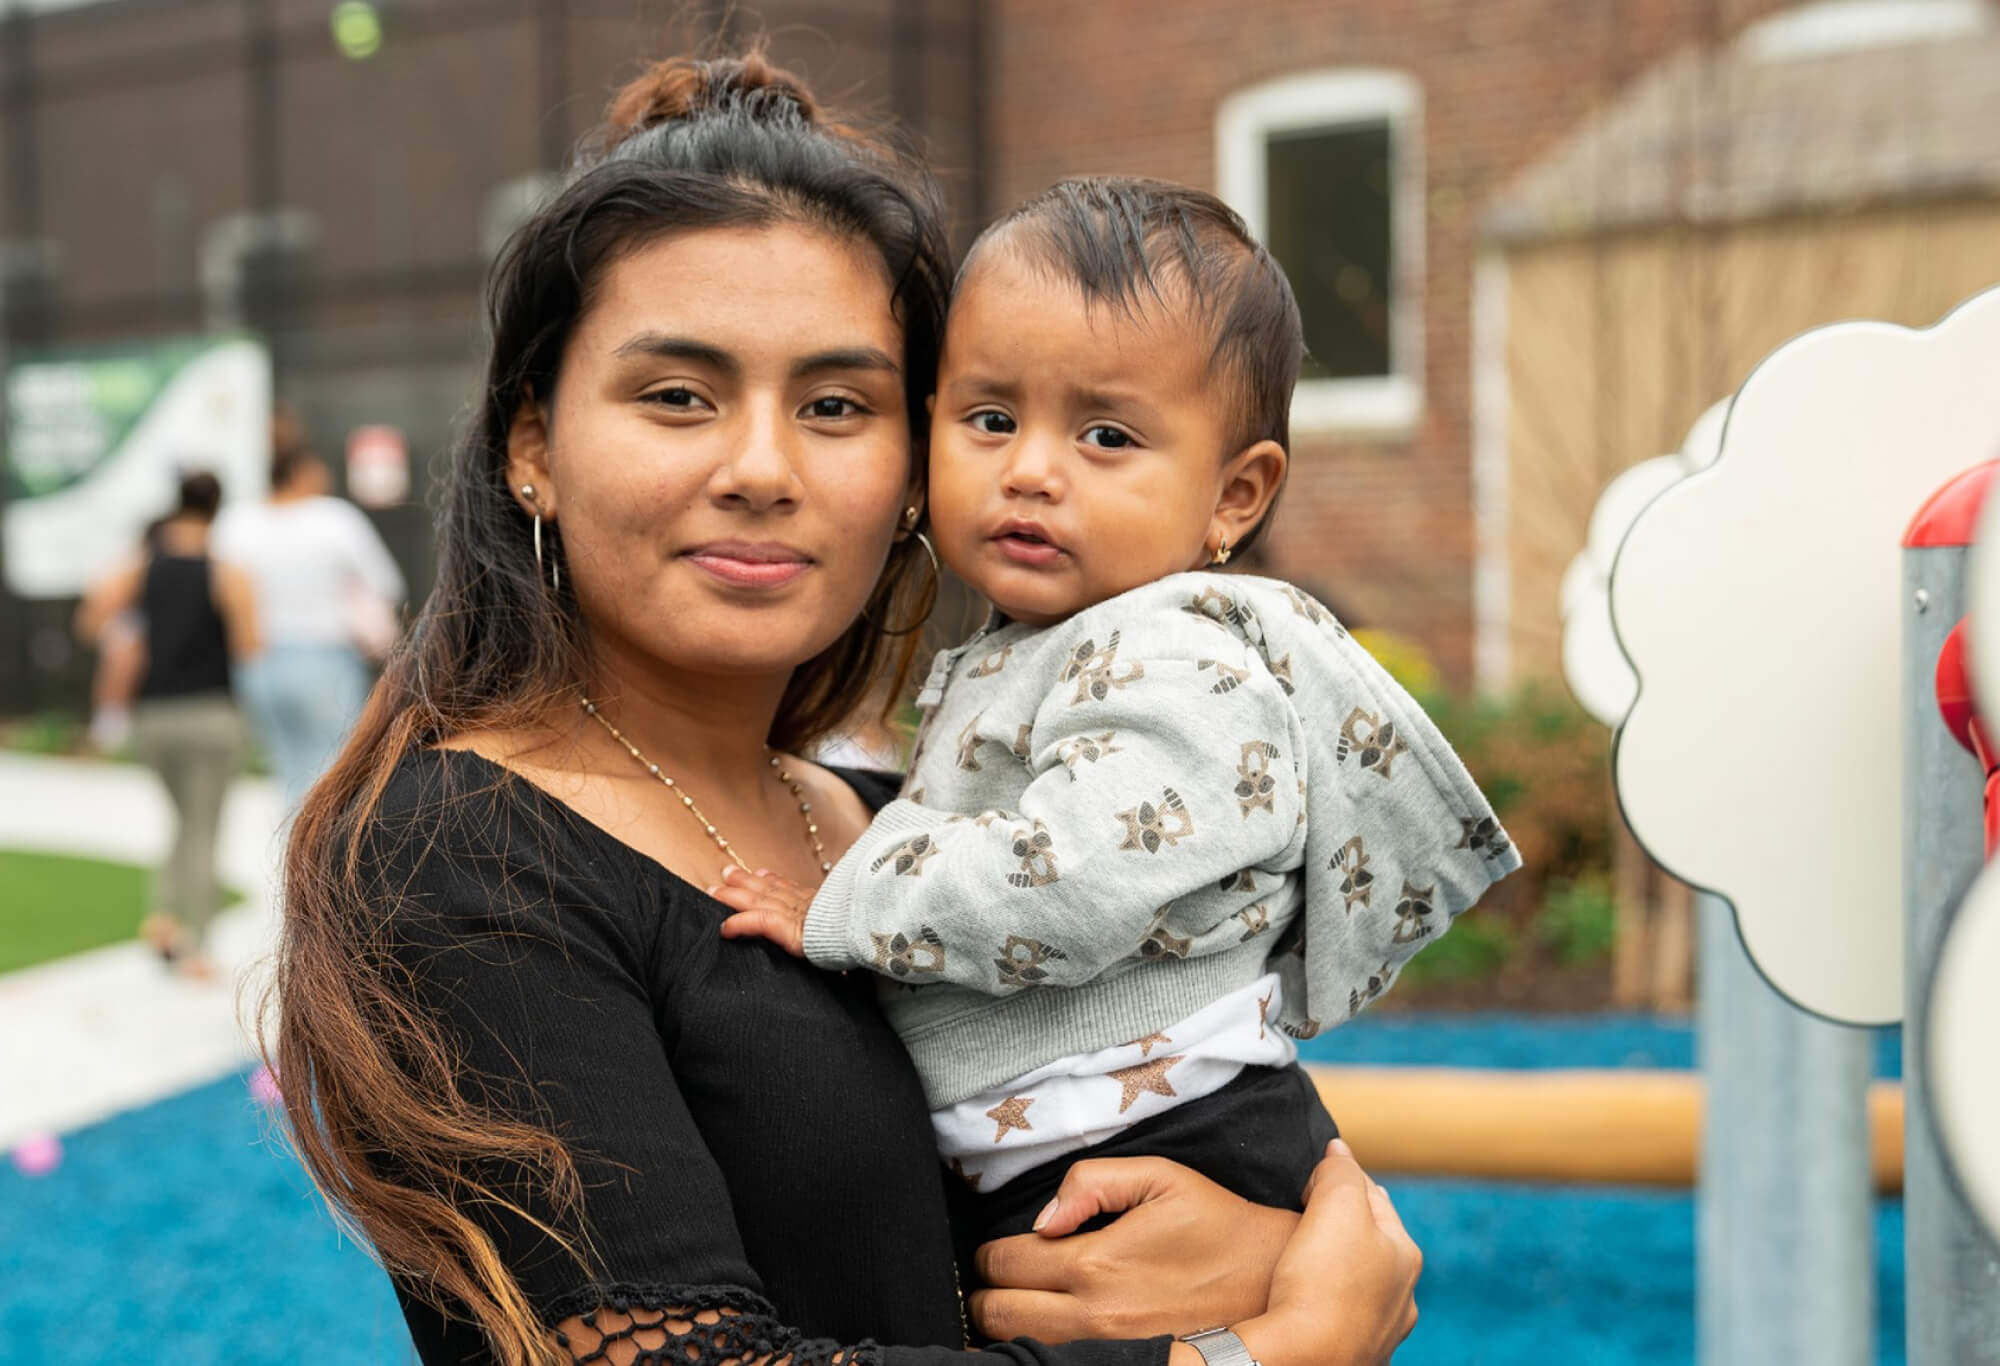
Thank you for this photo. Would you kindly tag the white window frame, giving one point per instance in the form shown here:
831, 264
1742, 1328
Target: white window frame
1388, 405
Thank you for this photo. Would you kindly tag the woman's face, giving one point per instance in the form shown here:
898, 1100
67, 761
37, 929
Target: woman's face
727, 450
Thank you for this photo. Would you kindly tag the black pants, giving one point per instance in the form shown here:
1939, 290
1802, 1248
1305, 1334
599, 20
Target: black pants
1260, 1136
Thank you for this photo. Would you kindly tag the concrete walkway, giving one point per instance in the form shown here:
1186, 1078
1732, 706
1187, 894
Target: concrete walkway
85, 1037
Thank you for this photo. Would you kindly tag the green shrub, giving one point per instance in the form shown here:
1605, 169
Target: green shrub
1477, 946
1578, 921
47, 732
1546, 767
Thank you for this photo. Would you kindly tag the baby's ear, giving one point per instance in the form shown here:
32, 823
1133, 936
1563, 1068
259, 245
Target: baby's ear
1250, 482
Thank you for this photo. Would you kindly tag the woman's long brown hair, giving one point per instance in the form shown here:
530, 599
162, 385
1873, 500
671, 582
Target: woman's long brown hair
374, 1095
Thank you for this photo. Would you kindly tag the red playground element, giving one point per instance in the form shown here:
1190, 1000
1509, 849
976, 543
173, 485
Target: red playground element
1960, 710
1951, 515
1950, 518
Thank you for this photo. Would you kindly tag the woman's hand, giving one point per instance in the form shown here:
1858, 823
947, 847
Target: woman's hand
767, 907
1344, 1292
1185, 1255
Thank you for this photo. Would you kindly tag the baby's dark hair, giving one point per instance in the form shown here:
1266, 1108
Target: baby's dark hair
1125, 239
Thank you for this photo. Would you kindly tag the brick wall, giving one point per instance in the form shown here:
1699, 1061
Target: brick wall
1383, 529
136, 115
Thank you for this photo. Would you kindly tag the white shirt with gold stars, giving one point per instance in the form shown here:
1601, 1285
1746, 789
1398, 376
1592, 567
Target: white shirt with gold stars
1078, 1102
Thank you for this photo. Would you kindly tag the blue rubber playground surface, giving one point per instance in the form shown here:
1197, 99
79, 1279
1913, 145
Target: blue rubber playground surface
183, 1233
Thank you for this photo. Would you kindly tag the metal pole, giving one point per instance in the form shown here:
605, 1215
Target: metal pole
906, 64
552, 82
1785, 1228
978, 45
1951, 1263
265, 292
25, 303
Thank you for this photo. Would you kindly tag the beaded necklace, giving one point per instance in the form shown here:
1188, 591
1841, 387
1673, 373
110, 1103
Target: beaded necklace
722, 843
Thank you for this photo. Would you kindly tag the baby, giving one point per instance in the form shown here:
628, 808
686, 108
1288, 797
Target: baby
1160, 822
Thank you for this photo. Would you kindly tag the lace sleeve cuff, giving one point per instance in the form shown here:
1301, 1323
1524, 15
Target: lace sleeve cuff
668, 1326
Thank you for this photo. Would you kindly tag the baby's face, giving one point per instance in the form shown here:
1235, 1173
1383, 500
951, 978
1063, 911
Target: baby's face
1075, 452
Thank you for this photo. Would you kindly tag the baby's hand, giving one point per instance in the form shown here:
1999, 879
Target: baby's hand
767, 907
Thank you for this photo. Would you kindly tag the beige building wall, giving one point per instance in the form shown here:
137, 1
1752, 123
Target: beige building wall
1615, 345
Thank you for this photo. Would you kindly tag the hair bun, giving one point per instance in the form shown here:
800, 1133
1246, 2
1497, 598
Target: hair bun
688, 87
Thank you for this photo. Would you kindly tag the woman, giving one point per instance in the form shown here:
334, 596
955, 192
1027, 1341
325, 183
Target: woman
325, 585
199, 626
674, 550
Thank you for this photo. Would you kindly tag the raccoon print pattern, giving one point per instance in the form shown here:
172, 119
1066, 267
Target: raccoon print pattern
1095, 671
1148, 825
1214, 605
1160, 942
1086, 749
1412, 912
1256, 920
908, 857
1483, 836
1021, 961
1036, 850
1228, 678
1378, 982
1314, 611
1256, 789
993, 663
900, 955
1373, 738
1356, 882
969, 741
1281, 669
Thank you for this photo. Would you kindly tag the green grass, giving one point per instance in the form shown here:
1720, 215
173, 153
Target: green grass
48, 732
52, 905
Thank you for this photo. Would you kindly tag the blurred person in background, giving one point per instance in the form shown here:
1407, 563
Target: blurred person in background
121, 664
327, 593
199, 624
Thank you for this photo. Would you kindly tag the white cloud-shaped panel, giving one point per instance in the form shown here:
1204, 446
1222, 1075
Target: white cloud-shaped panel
1593, 665
1759, 602
1964, 1021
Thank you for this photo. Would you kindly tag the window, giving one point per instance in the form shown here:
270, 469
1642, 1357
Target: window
1325, 169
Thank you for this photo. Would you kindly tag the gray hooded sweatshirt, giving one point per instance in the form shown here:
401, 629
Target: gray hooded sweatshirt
1112, 821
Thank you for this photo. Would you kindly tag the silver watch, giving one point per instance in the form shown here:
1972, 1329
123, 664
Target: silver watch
1221, 1347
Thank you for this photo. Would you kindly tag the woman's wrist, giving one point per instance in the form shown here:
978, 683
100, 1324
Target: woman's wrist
1272, 1343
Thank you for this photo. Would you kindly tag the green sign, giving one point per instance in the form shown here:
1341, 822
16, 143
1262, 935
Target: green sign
96, 441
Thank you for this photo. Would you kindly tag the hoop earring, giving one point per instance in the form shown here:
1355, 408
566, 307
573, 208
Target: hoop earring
1221, 555
930, 600
528, 492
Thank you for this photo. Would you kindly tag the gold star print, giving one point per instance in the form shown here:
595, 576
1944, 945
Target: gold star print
1145, 1045
1263, 1013
1011, 1113
1147, 1076
971, 1179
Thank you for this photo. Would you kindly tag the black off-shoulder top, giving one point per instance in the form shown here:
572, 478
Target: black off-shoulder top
749, 1133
